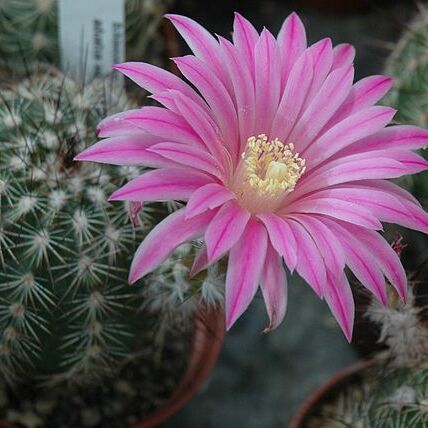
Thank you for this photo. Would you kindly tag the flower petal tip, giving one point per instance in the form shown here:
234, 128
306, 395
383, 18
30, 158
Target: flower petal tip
348, 336
133, 278
173, 17
123, 67
294, 16
230, 320
270, 327
79, 157
114, 197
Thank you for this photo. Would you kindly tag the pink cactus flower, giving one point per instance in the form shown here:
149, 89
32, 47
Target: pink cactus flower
282, 161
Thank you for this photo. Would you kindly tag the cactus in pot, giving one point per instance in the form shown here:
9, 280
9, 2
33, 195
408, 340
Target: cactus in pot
67, 314
391, 391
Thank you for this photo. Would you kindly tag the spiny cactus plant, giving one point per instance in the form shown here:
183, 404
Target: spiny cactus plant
408, 65
143, 18
67, 312
393, 393
29, 31
54, 228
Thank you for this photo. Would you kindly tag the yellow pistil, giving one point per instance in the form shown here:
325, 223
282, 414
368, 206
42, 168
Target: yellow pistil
271, 166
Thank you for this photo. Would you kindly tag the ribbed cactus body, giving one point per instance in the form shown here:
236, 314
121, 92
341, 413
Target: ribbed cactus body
29, 31
66, 309
408, 65
64, 251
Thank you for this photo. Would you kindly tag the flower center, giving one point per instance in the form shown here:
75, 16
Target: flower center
269, 170
271, 166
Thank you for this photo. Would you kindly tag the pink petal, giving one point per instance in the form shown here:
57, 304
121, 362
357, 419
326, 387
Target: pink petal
225, 229
164, 123
202, 124
216, 96
351, 129
351, 168
418, 219
245, 267
207, 197
243, 86
281, 237
381, 204
245, 37
310, 265
335, 89
202, 44
162, 185
294, 95
126, 150
385, 257
167, 99
365, 93
322, 55
359, 258
189, 156
343, 55
114, 125
155, 79
394, 206
336, 208
327, 243
400, 137
338, 296
392, 188
273, 284
291, 43
134, 210
200, 263
267, 81
163, 239
411, 162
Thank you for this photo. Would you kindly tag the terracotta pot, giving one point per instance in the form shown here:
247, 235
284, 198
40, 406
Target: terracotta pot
336, 382
207, 343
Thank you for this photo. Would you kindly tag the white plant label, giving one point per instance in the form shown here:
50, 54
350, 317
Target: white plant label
91, 36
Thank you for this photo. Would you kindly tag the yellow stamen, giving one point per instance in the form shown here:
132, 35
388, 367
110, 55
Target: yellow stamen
271, 166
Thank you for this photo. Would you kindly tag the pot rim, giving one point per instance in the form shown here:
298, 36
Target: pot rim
336, 379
